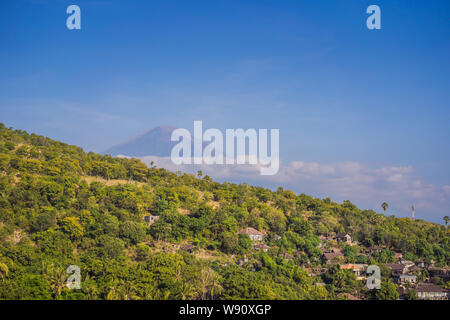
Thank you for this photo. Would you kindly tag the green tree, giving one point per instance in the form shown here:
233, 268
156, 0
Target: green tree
388, 291
411, 295
110, 247
385, 206
446, 220
57, 277
241, 284
229, 242
134, 232
44, 220
209, 284
245, 242
72, 226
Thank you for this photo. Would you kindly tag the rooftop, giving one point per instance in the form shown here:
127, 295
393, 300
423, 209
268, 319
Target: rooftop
250, 231
429, 287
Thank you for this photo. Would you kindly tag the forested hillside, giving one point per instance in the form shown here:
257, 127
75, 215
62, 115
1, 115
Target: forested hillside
147, 233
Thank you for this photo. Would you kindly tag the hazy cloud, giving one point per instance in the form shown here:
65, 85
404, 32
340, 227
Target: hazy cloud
365, 186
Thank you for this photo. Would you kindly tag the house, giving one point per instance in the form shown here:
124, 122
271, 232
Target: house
398, 256
345, 237
397, 268
406, 279
413, 268
150, 219
262, 246
431, 291
443, 273
331, 257
348, 266
359, 270
420, 263
374, 249
254, 234
334, 250
407, 263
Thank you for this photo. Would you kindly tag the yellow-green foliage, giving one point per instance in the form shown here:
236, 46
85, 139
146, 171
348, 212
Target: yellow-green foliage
60, 206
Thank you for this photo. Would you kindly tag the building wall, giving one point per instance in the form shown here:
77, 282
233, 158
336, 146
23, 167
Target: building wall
256, 237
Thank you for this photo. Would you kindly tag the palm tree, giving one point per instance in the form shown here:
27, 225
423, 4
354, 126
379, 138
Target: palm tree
90, 287
206, 279
215, 287
446, 220
3, 270
208, 284
56, 277
187, 291
151, 292
128, 290
384, 205
112, 294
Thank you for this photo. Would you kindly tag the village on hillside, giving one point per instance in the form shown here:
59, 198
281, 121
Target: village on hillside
420, 277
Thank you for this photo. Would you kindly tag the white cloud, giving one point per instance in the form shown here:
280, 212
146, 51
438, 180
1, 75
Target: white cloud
365, 186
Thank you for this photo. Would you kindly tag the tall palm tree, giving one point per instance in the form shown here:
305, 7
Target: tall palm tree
208, 284
215, 287
90, 288
384, 205
112, 294
128, 290
56, 277
187, 291
446, 220
3, 270
151, 292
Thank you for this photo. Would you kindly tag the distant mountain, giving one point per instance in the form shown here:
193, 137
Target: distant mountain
154, 142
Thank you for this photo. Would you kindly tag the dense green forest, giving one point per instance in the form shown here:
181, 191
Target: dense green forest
60, 206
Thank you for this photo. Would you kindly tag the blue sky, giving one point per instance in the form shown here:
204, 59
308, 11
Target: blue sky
338, 92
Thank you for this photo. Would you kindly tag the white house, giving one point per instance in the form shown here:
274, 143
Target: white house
431, 291
254, 234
